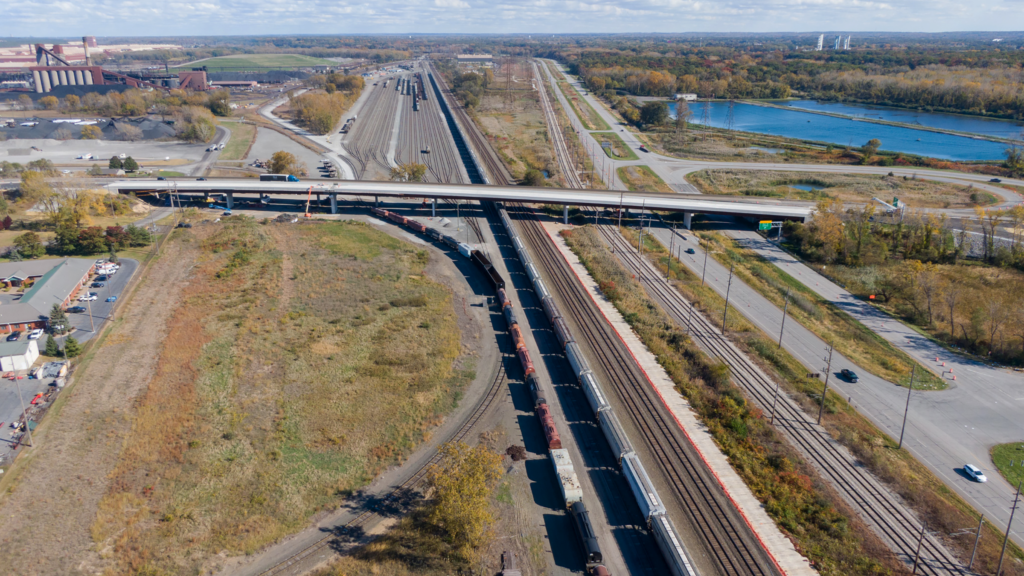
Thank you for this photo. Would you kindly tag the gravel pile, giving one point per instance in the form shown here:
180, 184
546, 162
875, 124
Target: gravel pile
47, 128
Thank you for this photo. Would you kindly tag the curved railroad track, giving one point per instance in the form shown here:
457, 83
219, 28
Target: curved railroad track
875, 504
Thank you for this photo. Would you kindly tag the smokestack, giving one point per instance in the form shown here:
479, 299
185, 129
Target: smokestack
85, 44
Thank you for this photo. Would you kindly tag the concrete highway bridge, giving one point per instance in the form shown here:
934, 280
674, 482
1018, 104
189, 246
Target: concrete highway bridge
685, 203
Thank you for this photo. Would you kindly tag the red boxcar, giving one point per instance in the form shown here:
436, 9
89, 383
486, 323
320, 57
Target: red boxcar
397, 218
562, 331
416, 226
380, 212
524, 359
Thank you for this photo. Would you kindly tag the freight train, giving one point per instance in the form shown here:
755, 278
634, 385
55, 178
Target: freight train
640, 484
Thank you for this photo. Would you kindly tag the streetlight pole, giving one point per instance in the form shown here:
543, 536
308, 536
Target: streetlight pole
828, 372
24, 414
92, 324
906, 409
1009, 525
728, 288
785, 309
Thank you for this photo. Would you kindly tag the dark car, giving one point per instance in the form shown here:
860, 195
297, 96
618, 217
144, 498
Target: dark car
644, 149
98, 285
201, 179
996, 180
161, 178
14, 336
226, 213
76, 309
691, 251
102, 278
849, 375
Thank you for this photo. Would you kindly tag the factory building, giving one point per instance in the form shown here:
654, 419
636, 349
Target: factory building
474, 59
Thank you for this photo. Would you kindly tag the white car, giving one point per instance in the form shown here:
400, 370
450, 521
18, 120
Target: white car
90, 297
84, 157
975, 473
35, 334
122, 156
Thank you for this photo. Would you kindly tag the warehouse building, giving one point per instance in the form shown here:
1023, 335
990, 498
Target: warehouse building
474, 59
53, 281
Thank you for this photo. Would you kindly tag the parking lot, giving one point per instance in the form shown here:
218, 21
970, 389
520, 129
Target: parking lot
82, 327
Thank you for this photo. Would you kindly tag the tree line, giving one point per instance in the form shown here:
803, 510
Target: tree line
320, 112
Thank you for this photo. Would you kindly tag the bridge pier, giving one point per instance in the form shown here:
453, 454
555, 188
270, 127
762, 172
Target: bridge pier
334, 203
687, 216
376, 201
231, 200
433, 207
565, 214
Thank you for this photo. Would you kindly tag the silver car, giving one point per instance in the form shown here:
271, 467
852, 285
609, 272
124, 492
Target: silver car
975, 473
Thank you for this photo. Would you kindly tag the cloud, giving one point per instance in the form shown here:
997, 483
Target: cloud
243, 17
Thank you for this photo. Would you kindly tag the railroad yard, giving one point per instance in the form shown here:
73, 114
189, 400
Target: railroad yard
609, 468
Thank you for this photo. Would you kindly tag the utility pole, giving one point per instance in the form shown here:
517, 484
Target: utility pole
917, 555
671, 247
906, 409
621, 194
976, 539
92, 323
775, 399
24, 414
705, 270
828, 372
785, 309
1009, 525
728, 288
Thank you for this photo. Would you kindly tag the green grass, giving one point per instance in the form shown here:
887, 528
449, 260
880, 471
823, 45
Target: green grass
170, 174
242, 136
246, 62
642, 179
1009, 460
584, 111
623, 151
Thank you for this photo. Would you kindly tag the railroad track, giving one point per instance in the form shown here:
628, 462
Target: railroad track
401, 494
572, 177
369, 140
893, 522
724, 535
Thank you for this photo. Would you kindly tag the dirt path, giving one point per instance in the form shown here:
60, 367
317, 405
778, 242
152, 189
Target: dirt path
53, 504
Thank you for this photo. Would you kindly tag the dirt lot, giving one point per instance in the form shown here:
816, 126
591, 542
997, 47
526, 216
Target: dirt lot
53, 495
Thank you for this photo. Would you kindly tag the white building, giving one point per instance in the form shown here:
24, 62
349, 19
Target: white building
19, 355
686, 97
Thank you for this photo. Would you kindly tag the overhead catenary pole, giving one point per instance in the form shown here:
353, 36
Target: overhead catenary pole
828, 372
906, 408
1009, 525
728, 289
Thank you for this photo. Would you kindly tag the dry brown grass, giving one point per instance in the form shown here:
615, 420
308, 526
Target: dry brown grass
642, 179
280, 390
519, 134
846, 187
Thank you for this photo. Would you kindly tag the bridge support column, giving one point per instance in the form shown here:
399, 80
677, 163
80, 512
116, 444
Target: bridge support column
334, 203
433, 208
231, 200
687, 216
565, 214
376, 201
206, 196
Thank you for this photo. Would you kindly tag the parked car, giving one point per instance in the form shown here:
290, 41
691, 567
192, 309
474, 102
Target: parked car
112, 299
35, 334
691, 251
90, 297
161, 178
996, 180
97, 285
102, 278
970, 469
226, 213
76, 309
201, 179
849, 375
643, 148
14, 336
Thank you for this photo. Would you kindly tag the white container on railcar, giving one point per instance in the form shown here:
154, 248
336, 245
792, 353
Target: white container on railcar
575, 356
614, 434
532, 272
671, 546
561, 461
542, 290
640, 483
572, 491
593, 392
550, 308
465, 249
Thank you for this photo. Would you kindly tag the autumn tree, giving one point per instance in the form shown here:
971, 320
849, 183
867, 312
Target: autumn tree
411, 172
72, 102
282, 162
827, 227
462, 484
951, 294
49, 102
33, 186
90, 132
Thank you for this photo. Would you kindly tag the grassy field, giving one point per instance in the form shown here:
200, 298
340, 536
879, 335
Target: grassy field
584, 111
303, 362
242, 136
851, 338
520, 135
246, 62
619, 150
1009, 459
846, 187
920, 489
642, 179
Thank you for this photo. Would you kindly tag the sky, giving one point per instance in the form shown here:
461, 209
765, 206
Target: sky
248, 17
